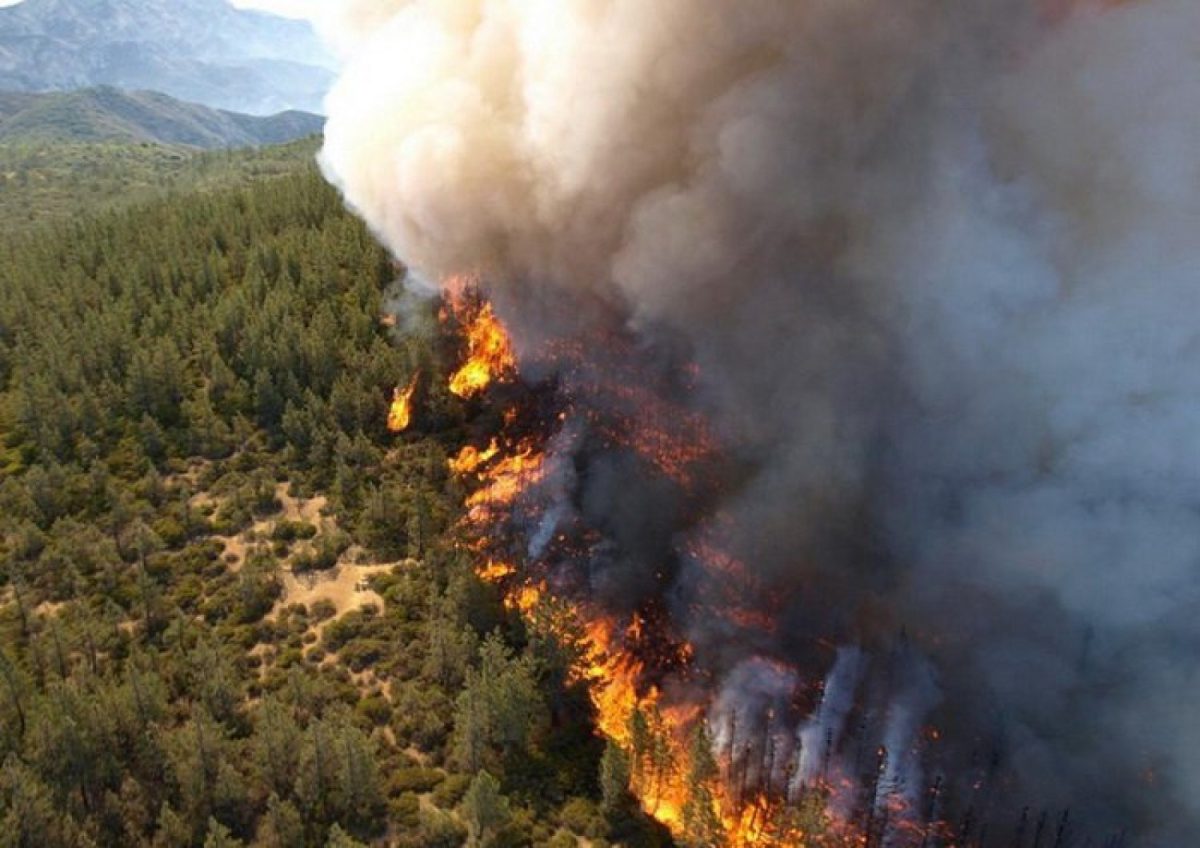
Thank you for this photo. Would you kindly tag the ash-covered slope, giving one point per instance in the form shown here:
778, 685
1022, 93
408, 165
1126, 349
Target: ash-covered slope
108, 114
200, 50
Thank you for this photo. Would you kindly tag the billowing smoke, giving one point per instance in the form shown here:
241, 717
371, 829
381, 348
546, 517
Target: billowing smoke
938, 264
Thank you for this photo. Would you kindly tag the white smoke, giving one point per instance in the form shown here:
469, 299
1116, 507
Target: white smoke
823, 731
939, 265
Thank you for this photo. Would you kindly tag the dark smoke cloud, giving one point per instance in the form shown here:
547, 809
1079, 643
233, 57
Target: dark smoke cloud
938, 264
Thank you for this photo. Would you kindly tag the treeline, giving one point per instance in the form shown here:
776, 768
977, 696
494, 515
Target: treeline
44, 182
169, 375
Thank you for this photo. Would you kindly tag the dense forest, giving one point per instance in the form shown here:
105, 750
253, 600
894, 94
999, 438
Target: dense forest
44, 182
233, 610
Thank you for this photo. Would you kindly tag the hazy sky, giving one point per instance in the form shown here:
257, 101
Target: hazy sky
292, 8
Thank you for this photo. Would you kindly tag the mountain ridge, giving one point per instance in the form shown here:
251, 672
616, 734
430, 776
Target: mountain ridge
205, 51
107, 114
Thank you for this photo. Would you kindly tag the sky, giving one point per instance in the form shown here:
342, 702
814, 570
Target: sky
290, 8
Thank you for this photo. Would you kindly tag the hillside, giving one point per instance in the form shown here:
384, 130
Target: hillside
198, 50
110, 115
234, 609
42, 183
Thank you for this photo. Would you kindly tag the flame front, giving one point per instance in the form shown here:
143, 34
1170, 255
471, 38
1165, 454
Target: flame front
490, 354
401, 411
630, 714
620, 659
471, 458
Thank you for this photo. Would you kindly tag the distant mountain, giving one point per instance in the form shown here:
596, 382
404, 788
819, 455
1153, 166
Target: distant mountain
107, 114
203, 51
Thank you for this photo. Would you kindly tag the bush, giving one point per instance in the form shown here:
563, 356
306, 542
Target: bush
414, 779
438, 829
308, 562
322, 610
375, 709
290, 531
405, 810
361, 653
582, 816
170, 531
519, 832
422, 717
451, 790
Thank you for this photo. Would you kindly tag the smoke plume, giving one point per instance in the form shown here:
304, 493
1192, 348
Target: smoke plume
937, 263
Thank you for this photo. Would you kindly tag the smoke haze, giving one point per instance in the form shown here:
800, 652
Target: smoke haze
938, 265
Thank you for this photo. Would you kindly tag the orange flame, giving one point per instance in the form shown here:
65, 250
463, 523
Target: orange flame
506, 479
471, 458
494, 572
490, 354
525, 598
400, 414
651, 726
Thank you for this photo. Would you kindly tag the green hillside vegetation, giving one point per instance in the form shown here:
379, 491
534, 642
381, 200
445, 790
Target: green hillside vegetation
42, 183
106, 114
232, 609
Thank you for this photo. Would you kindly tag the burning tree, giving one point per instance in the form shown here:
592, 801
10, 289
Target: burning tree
855, 390
701, 821
750, 786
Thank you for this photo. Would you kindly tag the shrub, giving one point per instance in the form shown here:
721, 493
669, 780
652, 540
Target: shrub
375, 709
404, 810
290, 531
582, 816
414, 779
322, 610
451, 790
438, 829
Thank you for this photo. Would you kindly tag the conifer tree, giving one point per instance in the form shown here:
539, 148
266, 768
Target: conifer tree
701, 822
485, 809
614, 776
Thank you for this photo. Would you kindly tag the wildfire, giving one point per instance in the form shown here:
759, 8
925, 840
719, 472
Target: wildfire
493, 571
635, 716
742, 792
525, 598
470, 459
400, 414
506, 479
490, 354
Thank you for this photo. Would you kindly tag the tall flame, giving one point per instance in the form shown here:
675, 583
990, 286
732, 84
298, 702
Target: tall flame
490, 354
400, 413
655, 730
471, 458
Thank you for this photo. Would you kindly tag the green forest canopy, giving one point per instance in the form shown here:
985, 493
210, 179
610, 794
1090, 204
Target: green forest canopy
232, 608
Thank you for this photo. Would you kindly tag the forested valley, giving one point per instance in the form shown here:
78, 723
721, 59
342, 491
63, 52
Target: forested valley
233, 610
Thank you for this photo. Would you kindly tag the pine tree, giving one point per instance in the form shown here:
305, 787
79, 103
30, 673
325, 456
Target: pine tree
338, 838
640, 742
501, 709
701, 823
450, 648
276, 745
218, 836
614, 776
281, 825
485, 810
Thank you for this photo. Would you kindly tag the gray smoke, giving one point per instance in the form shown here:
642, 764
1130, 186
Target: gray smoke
938, 265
